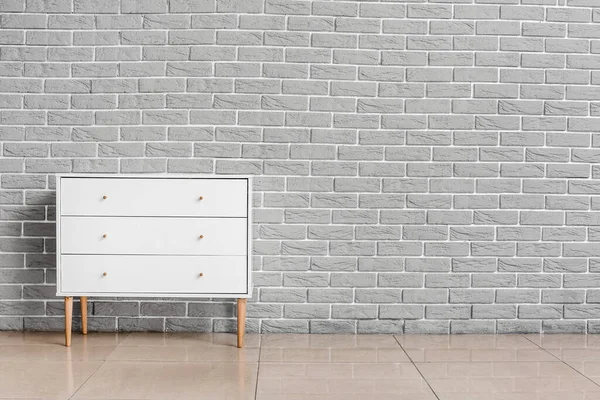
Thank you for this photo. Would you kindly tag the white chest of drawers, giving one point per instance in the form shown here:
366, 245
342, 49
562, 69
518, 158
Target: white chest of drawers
153, 236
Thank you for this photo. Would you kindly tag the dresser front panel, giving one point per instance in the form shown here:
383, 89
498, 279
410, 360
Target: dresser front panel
154, 197
154, 235
158, 275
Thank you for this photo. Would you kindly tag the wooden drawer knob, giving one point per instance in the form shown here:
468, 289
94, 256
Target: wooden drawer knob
105, 197
201, 274
105, 236
104, 274
201, 198
201, 237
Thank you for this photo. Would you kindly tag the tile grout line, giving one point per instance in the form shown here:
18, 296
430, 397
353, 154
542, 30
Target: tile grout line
103, 362
119, 344
258, 366
86, 381
564, 362
417, 368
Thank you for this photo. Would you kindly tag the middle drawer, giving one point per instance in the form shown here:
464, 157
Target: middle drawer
131, 235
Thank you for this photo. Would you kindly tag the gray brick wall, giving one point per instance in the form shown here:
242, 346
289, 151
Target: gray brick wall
422, 166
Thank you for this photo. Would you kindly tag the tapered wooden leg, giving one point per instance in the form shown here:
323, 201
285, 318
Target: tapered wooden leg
68, 320
241, 322
83, 302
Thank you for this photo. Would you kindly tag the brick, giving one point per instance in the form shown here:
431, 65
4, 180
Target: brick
413, 280
425, 296
428, 11
427, 327
333, 263
352, 280
568, 15
494, 311
329, 295
472, 327
447, 312
563, 296
471, 296
540, 312
477, 12
517, 326
517, 296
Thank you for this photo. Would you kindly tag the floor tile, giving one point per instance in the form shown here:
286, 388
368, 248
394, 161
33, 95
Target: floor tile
334, 381
58, 338
519, 396
50, 346
590, 369
43, 379
190, 339
331, 349
77, 352
475, 348
184, 354
327, 341
507, 380
465, 341
171, 380
334, 355
560, 341
186, 347
581, 352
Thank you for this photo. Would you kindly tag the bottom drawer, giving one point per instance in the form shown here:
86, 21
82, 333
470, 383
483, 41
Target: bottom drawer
132, 274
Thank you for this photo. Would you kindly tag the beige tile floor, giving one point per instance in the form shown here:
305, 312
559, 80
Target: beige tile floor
297, 367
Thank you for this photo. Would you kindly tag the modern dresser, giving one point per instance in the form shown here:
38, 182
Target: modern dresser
153, 236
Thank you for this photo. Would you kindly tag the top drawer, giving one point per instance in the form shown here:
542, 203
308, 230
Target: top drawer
154, 197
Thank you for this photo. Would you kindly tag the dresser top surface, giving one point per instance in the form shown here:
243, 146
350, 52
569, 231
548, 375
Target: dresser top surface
154, 176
